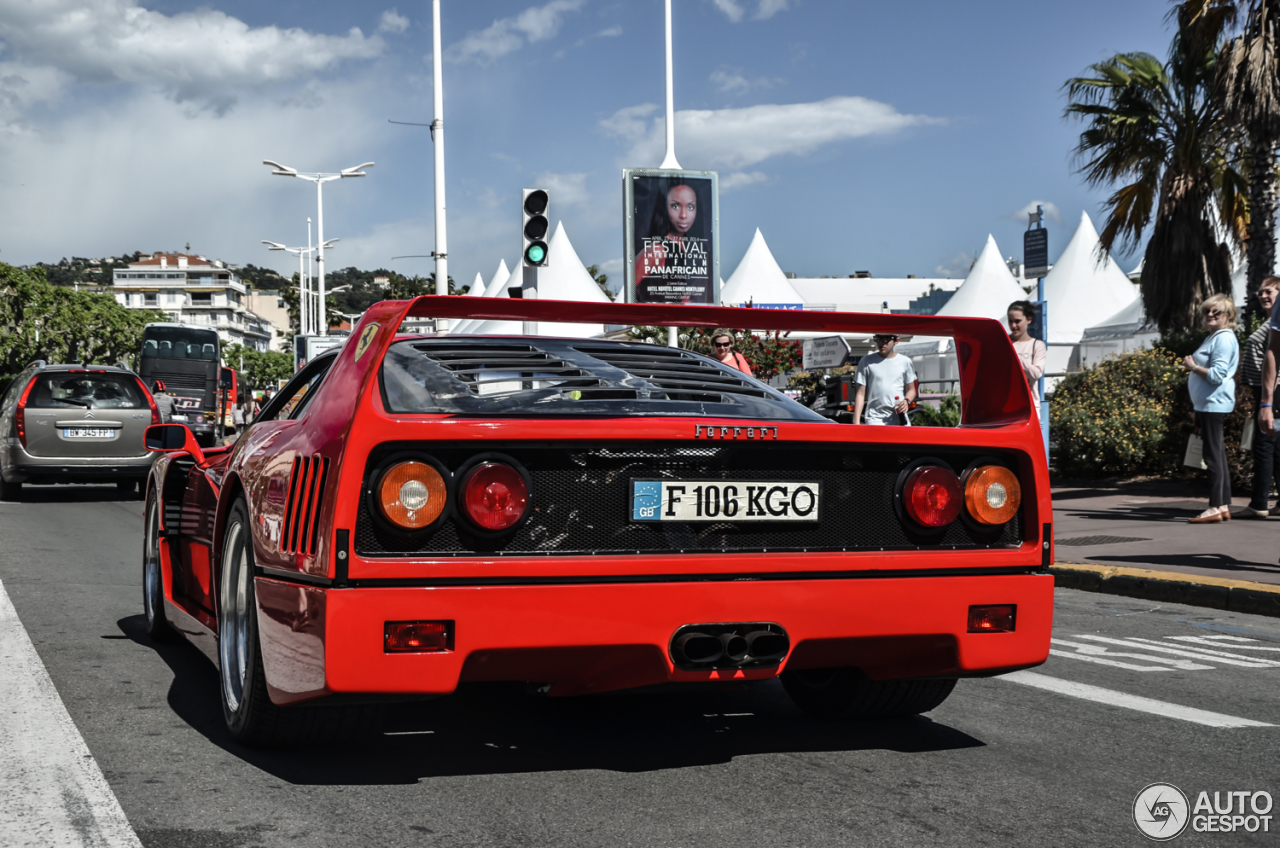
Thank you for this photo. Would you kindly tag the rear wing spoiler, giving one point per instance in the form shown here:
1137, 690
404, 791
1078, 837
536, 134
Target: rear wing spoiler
993, 387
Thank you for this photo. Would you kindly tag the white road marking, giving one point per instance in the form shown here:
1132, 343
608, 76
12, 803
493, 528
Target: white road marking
1130, 702
1217, 642
1094, 653
1220, 657
52, 792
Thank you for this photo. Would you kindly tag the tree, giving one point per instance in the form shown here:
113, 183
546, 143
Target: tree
602, 280
1159, 133
261, 368
1248, 84
769, 354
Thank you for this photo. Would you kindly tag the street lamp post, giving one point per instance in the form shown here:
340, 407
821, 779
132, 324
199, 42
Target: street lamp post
319, 179
307, 318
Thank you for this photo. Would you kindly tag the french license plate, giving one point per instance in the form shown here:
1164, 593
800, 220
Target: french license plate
88, 433
725, 500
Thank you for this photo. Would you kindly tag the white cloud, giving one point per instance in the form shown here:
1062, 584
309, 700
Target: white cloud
566, 189
1051, 212
765, 9
741, 179
611, 32
613, 267
202, 55
734, 81
506, 35
955, 266
393, 21
739, 138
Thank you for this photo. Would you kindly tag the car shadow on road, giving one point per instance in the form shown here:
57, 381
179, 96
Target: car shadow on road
75, 494
502, 729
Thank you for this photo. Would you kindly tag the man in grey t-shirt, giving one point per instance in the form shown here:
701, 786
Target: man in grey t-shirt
886, 382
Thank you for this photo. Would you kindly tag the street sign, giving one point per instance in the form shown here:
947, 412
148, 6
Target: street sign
825, 352
1035, 253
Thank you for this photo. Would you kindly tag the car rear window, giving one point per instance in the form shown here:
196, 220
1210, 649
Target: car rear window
86, 390
557, 377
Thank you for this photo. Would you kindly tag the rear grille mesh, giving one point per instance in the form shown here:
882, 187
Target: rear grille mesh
302, 509
581, 501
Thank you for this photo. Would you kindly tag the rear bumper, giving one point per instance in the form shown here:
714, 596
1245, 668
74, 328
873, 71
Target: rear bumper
20, 466
595, 638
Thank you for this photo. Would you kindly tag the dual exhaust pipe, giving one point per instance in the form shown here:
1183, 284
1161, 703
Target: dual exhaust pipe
697, 647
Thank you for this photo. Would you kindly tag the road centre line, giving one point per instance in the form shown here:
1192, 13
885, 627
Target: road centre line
1183, 651
1131, 702
52, 792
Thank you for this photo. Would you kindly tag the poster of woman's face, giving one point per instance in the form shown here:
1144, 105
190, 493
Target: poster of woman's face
671, 249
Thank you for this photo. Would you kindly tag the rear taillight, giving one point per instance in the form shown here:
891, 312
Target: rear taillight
495, 496
417, 637
20, 417
992, 494
932, 496
996, 618
155, 410
412, 495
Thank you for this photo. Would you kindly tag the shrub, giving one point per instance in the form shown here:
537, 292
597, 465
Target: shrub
946, 414
1123, 417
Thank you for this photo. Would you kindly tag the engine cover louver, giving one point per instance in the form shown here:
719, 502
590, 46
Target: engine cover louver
301, 530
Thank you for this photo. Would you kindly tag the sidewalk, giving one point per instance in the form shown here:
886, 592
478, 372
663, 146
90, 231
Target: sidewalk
1134, 539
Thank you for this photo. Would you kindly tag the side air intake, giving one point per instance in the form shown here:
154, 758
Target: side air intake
302, 509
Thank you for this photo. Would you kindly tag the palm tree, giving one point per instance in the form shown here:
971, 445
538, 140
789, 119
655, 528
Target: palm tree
1156, 131
1248, 85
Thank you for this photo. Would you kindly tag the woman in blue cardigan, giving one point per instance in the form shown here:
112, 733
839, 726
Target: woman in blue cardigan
1213, 393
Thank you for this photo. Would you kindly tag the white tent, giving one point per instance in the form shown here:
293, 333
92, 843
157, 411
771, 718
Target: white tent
477, 287
497, 287
563, 278
1079, 289
759, 279
1127, 330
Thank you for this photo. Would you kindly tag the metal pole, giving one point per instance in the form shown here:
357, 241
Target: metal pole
311, 306
1044, 401
437, 135
302, 291
670, 160
529, 286
323, 327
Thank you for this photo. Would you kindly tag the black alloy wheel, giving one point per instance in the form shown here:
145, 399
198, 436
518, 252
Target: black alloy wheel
158, 627
846, 693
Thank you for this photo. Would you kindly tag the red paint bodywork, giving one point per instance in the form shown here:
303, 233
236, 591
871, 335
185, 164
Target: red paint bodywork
321, 622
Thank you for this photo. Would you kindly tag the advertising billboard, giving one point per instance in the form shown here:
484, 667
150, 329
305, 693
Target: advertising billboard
671, 241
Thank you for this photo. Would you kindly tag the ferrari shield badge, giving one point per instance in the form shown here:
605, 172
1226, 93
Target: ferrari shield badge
366, 339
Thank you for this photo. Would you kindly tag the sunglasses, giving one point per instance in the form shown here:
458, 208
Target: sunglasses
885, 339
1212, 313
722, 344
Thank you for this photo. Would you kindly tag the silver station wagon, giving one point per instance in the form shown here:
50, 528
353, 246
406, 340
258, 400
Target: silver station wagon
74, 424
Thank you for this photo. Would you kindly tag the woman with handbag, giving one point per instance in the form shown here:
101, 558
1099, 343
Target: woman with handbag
1213, 394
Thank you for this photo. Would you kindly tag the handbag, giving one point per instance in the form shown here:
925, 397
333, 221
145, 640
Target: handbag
1194, 457
1250, 430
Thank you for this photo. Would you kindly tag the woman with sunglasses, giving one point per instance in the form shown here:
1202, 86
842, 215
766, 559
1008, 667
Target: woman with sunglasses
722, 345
1213, 393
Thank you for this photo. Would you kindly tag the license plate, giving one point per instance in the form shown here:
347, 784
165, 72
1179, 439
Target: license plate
178, 417
88, 433
724, 500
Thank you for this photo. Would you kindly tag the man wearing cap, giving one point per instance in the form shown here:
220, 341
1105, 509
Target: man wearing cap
886, 384
164, 401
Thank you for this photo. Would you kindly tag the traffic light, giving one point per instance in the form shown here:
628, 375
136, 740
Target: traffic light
536, 224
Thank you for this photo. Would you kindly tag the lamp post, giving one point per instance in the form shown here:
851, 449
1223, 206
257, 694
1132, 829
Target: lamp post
306, 309
319, 179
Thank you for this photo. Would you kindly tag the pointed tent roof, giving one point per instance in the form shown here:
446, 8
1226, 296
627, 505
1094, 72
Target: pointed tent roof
477, 287
985, 293
758, 278
564, 278
1079, 289
497, 287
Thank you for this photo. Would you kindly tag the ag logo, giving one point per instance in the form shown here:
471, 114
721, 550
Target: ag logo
1160, 811
366, 339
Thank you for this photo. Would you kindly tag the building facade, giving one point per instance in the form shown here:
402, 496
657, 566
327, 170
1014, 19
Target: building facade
194, 290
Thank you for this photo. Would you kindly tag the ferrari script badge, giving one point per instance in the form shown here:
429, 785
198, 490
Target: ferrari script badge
366, 339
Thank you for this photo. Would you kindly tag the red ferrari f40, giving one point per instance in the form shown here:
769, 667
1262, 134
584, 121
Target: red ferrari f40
415, 511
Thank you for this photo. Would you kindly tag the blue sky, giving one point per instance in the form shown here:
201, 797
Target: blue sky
857, 136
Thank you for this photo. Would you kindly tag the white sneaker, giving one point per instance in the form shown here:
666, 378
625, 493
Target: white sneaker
1257, 513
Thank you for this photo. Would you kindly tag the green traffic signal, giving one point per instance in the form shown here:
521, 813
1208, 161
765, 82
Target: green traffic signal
536, 253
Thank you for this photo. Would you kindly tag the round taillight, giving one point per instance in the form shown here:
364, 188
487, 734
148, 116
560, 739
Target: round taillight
494, 496
412, 494
992, 494
932, 496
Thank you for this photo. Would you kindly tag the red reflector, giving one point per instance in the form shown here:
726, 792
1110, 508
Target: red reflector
495, 496
402, 637
932, 496
992, 619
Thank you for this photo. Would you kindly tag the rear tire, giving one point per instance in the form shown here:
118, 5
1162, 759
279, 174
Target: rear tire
158, 627
845, 693
251, 717
11, 492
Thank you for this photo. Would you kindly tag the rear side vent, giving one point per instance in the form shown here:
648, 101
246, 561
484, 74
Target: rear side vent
302, 509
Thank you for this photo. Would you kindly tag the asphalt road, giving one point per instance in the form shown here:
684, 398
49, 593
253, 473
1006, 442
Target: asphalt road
1002, 762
